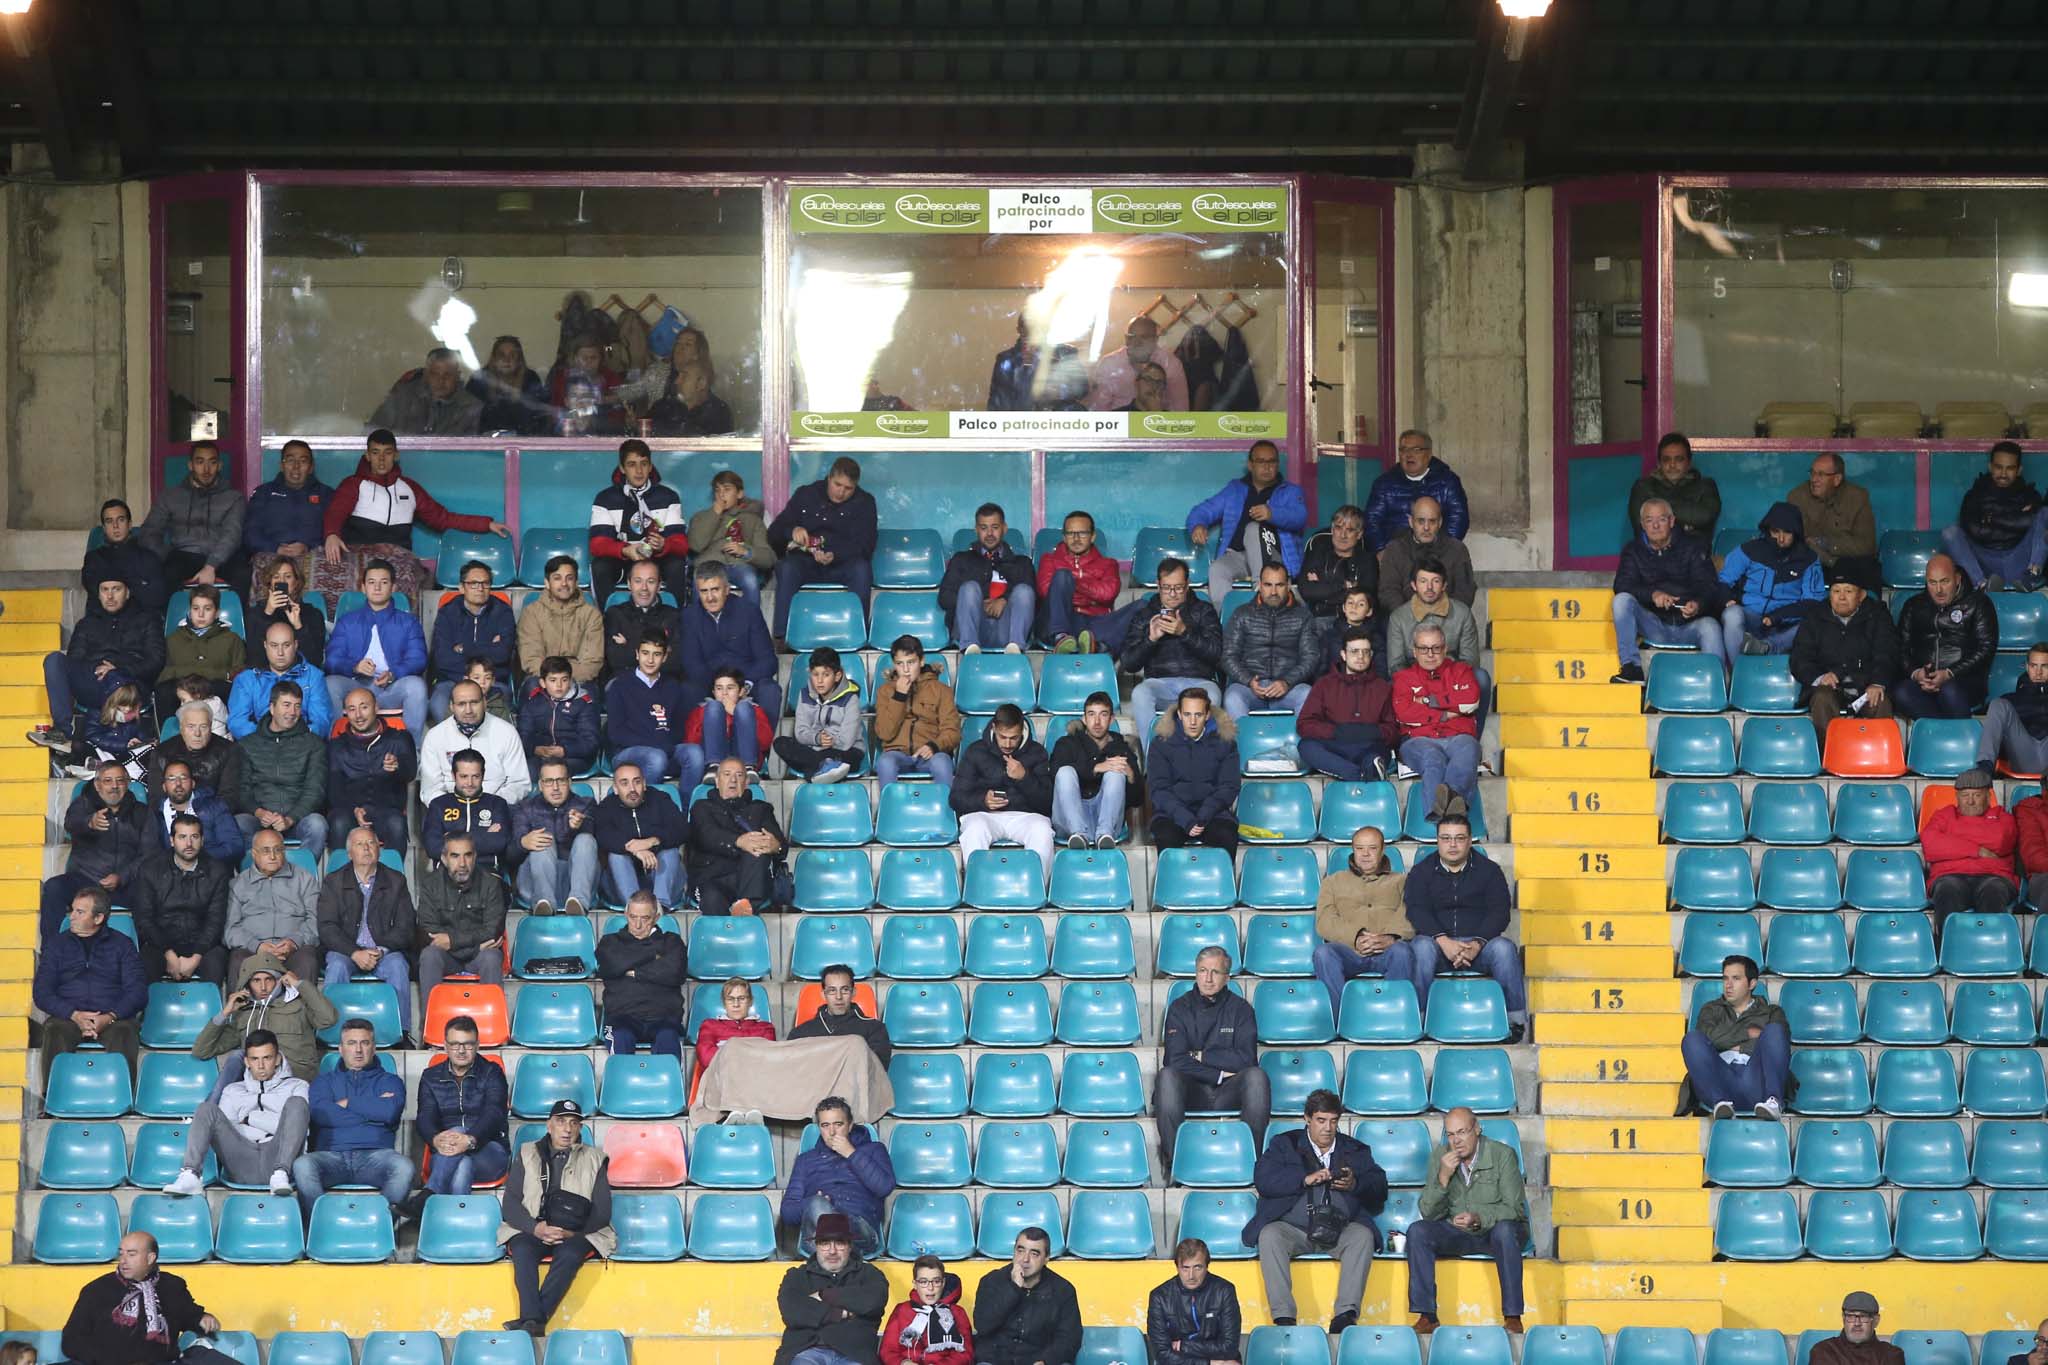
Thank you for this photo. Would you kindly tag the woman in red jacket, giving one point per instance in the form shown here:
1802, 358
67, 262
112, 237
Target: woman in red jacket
371, 516
930, 1327
737, 998
1347, 725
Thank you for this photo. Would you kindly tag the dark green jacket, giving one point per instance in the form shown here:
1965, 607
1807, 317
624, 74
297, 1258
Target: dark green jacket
1695, 500
284, 772
1726, 1029
470, 915
1495, 1193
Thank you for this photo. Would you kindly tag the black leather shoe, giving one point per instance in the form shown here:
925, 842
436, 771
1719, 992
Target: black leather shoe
1342, 1321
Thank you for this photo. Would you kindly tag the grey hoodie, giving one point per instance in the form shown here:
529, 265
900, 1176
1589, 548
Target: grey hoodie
263, 908
204, 522
839, 713
256, 1107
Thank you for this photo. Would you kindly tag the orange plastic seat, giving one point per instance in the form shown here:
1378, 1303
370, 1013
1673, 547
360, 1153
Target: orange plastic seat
1935, 798
1864, 748
483, 1003
811, 999
645, 1156
2006, 769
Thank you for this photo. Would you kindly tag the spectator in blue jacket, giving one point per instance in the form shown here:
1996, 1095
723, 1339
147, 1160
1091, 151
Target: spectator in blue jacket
553, 844
249, 699
1457, 900
223, 838
462, 1109
1194, 776
1261, 517
370, 766
1417, 473
356, 1111
645, 709
475, 624
825, 533
848, 1172
721, 632
379, 647
558, 720
89, 983
1775, 581
285, 516
1299, 1170
1665, 592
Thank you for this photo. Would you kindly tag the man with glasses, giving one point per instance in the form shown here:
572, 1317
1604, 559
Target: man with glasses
554, 844
1457, 900
462, 1115
1113, 386
1077, 592
1839, 523
1474, 1203
841, 1015
2038, 1355
1259, 517
1859, 1343
1437, 700
1664, 592
1176, 642
1417, 473
1336, 563
476, 625
1425, 538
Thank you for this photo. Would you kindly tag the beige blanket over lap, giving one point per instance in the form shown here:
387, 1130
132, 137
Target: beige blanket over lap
785, 1080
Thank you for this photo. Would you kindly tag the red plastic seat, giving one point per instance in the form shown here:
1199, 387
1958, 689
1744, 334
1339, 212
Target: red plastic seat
1864, 748
811, 999
645, 1156
2006, 769
1934, 798
485, 1004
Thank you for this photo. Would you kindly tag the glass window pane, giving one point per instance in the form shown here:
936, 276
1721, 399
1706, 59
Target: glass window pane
198, 304
1606, 291
1874, 313
1347, 325
933, 301
360, 283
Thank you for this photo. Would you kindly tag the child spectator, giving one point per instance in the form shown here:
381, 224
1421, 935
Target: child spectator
830, 741
1357, 609
557, 720
582, 392
119, 734
730, 533
645, 711
198, 646
496, 703
726, 726
915, 718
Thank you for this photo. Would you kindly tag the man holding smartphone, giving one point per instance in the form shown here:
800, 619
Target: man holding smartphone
1002, 789
1175, 642
1318, 1190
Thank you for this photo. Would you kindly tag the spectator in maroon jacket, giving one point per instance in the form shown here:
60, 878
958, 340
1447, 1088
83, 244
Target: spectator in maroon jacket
1347, 725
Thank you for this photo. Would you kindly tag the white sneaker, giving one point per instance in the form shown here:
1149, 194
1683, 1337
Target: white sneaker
543, 907
1769, 1109
1724, 1110
572, 906
967, 649
742, 1117
1013, 648
831, 772
280, 1183
187, 1183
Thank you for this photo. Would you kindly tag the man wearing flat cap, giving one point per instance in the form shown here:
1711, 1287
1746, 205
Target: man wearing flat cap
1969, 848
558, 1202
832, 1304
1845, 657
1858, 1344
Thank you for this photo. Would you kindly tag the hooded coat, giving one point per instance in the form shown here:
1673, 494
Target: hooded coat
1193, 781
296, 1014
192, 520
1781, 584
837, 712
1393, 493
913, 1336
1225, 507
1078, 751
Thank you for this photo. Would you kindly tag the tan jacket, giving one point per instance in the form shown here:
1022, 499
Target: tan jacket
928, 717
1350, 904
1843, 525
580, 1176
575, 631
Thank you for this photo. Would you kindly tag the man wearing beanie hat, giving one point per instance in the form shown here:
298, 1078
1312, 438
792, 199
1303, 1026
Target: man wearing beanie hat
1845, 657
832, 1304
1858, 1344
1969, 848
558, 1202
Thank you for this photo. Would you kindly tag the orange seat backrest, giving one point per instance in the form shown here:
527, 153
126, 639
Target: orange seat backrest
1864, 748
645, 1155
1935, 798
811, 999
483, 1003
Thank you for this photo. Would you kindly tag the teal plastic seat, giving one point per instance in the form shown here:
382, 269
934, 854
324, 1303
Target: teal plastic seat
1704, 813
926, 1014
925, 1156
732, 1227
259, 1229
1802, 1352
1279, 878
1110, 1225
1789, 813
2011, 1155
1008, 1014
1376, 1010
1940, 1347
1260, 734
1694, 746
735, 1157
1466, 1009
1479, 1079
1832, 1082
1403, 1208
989, 680
1293, 1012
1400, 1146
1155, 543
1994, 1013
1884, 879
649, 1228
1005, 879
176, 1011
1006, 947
460, 547
1706, 939
1649, 1346
1773, 747
1875, 813
930, 1223
1287, 1346
1982, 945
77, 1229
567, 1347
1712, 879
371, 1000
2005, 674
914, 558
1182, 937
1553, 1345
1101, 1085
725, 946
239, 1347
1898, 943
1114, 1155
1218, 1218
2004, 1083
542, 1078
311, 1348
1066, 681
549, 1016
1091, 879
1351, 806
159, 1152
1006, 1214
1486, 1346
542, 543
1799, 879
1019, 1156
829, 618
171, 1084
1756, 1225
459, 1229
1927, 1154
1939, 1225
1292, 1074
1288, 809
821, 941
1762, 685
554, 936
83, 1156
1903, 556
928, 1085
1280, 945
2016, 1225
1013, 1085
1833, 1156
917, 879
642, 1086
1807, 945
1821, 1011
1387, 1082
915, 814
2022, 618
1419, 827
1686, 683
1213, 1154
919, 948
492, 1348
1111, 1345
833, 879
1744, 1346
706, 1004
1906, 1013
1848, 1225
1748, 1154
834, 815
893, 615
1199, 878
1093, 948
1943, 748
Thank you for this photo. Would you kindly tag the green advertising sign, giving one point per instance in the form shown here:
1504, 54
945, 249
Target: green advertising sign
1039, 426
1037, 209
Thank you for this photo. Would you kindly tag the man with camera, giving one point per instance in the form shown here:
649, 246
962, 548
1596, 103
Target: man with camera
1318, 1190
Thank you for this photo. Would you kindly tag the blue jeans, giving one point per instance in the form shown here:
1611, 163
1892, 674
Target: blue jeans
1632, 619
628, 1034
547, 875
1240, 701
891, 764
1950, 701
1109, 629
972, 626
1353, 762
1977, 561
461, 1174
865, 1239
1499, 959
311, 832
742, 741
745, 581
1454, 761
1089, 816
654, 762
1714, 1080
796, 570
391, 970
1334, 964
315, 1173
1737, 622
627, 876
1429, 1238
821, 1355
1154, 695
407, 695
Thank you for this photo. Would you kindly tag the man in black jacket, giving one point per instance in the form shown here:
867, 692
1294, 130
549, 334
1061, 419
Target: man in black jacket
832, 1304
1025, 1313
989, 588
1310, 1180
1948, 637
1193, 1318
626, 623
1211, 1056
1335, 562
1665, 591
1845, 659
460, 911
840, 1016
2001, 535
110, 835
125, 558
369, 767
1458, 902
119, 641
735, 843
1096, 777
641, 834
1176, 642
643, 967
135, 1313
367, 923
1002, 789
825, 533
180, 900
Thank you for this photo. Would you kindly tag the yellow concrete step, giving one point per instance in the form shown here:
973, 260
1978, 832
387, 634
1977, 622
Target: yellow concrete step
15, 998
1661, 995
1688, 1315
1604, 864
1618, 1283
21, 894
1626, 1206
1613, 796
1550, 604
1566, 666
1608, 1099
1619, 1061
33, 604
1577, 831
10, 1144
1587, 698
1600, 1030
20, 831
1630, 1174
29, 637
22, 699
1574, 728
1576, 765
24, 762
1612, 931
1586, 962
24, 798
1580, 637
17, 964
1682, 1245
18, 930
1669, 1136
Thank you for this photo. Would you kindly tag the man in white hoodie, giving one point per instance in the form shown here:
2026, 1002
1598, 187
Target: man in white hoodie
258, 1126
469, 727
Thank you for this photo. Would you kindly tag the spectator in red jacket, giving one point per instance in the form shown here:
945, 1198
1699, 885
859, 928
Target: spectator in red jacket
736, 998
725, 725
371, 516
1436, 700
1347, 725
2031, 815
1077, 591
1969, 848
930, 1327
